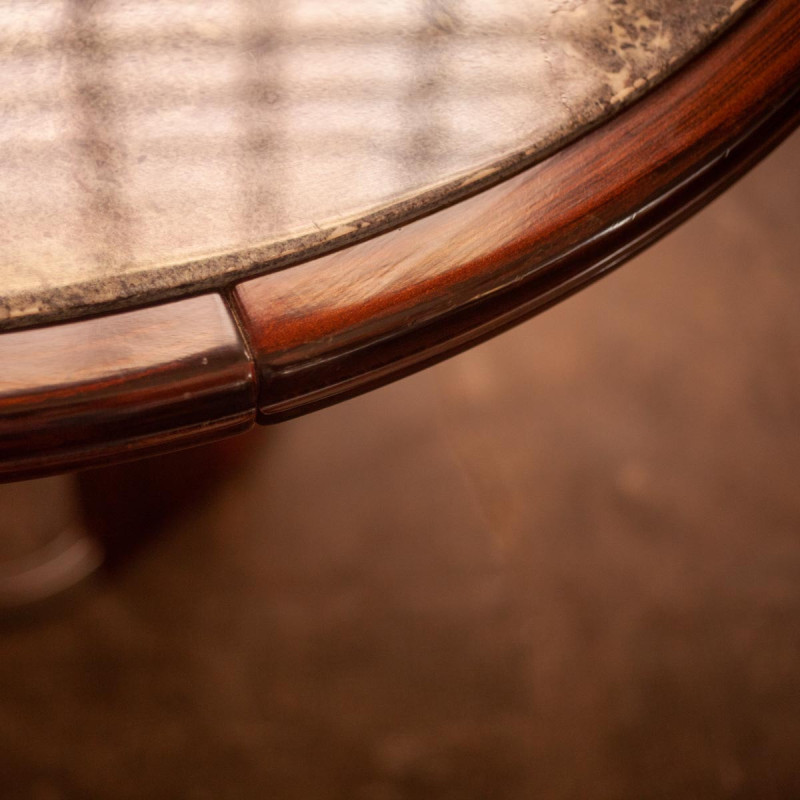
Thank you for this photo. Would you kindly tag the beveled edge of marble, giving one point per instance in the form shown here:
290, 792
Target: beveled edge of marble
221, 271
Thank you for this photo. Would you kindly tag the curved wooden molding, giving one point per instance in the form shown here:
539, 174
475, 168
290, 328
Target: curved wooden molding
126, 385
355, 319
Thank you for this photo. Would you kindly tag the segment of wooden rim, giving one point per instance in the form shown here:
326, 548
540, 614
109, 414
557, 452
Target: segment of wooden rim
122, 386
358, 318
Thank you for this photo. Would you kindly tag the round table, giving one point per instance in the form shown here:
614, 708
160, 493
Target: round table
218, 213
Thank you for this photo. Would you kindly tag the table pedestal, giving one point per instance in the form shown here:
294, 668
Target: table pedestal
56, 531
45, 548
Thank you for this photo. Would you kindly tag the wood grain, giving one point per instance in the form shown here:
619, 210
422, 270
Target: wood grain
122, 386
358, 318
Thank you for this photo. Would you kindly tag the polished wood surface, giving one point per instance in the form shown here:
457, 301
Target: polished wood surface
357, 318
121, 386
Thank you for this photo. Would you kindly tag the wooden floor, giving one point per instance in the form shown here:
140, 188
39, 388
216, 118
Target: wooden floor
563, 565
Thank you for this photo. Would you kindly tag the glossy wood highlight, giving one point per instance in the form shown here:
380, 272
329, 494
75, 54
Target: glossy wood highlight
122, 386
363, 316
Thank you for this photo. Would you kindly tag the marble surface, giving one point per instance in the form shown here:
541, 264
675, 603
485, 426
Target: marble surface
152, 149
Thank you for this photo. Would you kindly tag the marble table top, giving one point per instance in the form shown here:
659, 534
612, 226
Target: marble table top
155, 148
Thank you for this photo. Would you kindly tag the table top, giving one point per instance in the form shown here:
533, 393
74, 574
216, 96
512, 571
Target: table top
155, 150
240, 214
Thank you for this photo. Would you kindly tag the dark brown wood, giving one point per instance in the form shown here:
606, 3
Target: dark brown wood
355, 319
126, 507
122, 386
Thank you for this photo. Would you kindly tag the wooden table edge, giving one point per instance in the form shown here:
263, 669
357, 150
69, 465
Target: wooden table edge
139, 382
358, 318
122, 386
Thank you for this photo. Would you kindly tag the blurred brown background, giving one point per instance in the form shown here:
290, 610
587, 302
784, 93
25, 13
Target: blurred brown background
564, 564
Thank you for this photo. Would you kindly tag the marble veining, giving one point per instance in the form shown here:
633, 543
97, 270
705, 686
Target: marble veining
154, 148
